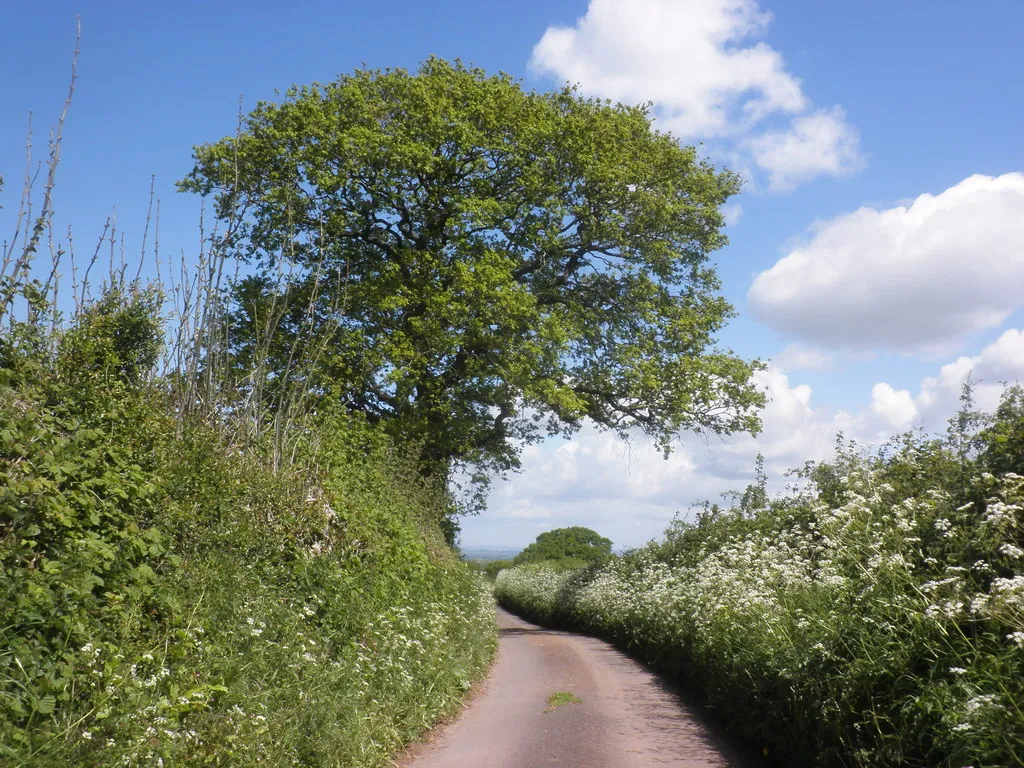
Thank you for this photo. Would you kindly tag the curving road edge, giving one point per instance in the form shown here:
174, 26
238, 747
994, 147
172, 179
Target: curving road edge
626, 717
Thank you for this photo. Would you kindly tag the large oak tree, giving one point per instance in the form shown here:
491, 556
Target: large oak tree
483, 265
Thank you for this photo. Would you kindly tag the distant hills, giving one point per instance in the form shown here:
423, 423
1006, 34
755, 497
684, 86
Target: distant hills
486, 554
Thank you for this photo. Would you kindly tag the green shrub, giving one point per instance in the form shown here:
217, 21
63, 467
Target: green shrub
494, 567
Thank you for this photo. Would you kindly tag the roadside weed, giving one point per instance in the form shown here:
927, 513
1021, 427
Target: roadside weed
560, 698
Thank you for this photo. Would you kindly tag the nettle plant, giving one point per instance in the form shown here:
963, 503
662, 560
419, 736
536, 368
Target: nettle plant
78, 549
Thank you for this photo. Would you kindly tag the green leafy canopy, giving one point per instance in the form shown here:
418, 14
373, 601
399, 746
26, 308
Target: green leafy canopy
576, 544
474, 265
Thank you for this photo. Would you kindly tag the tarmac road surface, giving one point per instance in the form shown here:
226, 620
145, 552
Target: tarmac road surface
627, 717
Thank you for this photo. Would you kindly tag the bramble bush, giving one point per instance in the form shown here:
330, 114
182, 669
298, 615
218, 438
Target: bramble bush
168, 597
875, 618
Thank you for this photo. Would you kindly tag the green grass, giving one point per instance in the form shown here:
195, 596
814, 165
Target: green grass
560, 698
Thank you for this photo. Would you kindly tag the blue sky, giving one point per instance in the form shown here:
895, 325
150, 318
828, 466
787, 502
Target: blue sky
870, 318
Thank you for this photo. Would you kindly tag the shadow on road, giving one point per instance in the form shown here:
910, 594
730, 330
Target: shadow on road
710, 728
531, 631
658, 701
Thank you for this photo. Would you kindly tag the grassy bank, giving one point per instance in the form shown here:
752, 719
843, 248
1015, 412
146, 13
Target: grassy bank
876, 619
171, 595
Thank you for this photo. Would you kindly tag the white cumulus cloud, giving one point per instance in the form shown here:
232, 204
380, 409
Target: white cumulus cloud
821, 142
895, 408
910, 278
709, 76
631, 493
1003, 359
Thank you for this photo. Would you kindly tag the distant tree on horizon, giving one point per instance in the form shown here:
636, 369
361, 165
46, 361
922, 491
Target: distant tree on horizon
573, 544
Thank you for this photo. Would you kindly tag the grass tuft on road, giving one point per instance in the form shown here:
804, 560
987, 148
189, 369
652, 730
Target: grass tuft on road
558, 698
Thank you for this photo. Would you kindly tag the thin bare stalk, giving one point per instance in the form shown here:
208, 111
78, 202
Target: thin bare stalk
44, 219
145, 229
84, 297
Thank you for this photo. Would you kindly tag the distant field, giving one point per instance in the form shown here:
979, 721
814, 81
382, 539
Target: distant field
487, 554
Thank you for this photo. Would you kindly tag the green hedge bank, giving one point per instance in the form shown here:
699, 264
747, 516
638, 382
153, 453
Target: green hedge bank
875, 620
169, 598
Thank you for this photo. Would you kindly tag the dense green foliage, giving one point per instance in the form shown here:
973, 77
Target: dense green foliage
492, 568
575, 545
485, 265
874, 619
169, 598
235, 550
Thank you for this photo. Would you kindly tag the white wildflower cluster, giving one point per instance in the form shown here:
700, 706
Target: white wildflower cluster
1006, 601
977, 709
410, 658
412, 646
256, 627
538, 586
136, 694
779, 603
1011, 551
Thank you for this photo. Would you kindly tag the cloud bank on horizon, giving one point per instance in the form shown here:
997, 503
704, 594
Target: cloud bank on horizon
709, 77
630, 493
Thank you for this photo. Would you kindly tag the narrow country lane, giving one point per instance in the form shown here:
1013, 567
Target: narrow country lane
626, 718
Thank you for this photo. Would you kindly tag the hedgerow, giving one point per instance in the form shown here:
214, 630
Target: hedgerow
205, 559
169, 597
874, 619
